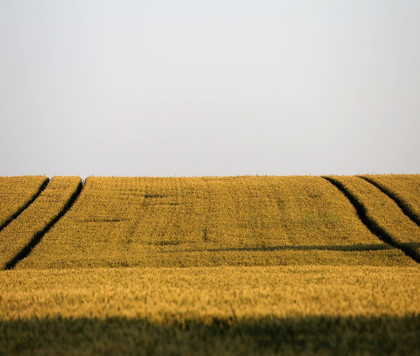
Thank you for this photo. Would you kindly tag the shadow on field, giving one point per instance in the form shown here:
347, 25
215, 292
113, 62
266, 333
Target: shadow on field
357, 247
306, 335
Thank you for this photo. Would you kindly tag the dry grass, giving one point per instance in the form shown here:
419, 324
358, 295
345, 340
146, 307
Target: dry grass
157, 222
15, 192
217, 310
384, 211
37, 216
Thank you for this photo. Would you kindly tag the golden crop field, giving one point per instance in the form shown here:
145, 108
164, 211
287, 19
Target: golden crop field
167, 222
212, 266
405, 188
15, 193
211, 311
18, 234
384, 212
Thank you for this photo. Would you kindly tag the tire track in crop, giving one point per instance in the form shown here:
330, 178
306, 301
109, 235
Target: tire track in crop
36, 239
26, 205
372, 225
400, 202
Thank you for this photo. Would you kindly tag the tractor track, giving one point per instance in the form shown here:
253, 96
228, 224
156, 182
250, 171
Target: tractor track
26, 205
400, 202
37, 237
372, 225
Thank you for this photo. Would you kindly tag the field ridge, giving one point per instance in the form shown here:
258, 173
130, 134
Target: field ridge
405, 208
25, 205
372, 225
26, 250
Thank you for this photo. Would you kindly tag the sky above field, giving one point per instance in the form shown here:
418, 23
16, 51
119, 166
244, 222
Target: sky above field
222, 87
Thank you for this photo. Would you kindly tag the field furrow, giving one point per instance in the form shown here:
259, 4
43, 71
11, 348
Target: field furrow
404, 189
209, 221
16, 194
20, 236
381, 213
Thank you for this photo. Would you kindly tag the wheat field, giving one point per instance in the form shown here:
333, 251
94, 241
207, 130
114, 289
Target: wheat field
386, 213
36, 217
404, 188
15, 193
168, 222
210, 265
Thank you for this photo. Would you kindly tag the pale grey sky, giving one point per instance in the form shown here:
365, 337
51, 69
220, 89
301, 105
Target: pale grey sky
221, 87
